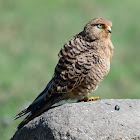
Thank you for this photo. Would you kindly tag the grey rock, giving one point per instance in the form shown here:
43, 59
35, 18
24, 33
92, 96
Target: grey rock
96, 120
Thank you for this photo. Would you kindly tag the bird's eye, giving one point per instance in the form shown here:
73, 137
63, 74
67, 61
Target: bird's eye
100, 26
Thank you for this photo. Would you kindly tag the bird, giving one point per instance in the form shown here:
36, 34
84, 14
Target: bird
84, 61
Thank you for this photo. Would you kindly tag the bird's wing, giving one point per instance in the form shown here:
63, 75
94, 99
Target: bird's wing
69, 70
69, 73
75, 62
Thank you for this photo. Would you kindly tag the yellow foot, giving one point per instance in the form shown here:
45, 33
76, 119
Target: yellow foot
89, 99
93, 98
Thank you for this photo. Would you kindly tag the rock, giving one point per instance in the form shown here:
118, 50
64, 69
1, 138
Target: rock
96, 120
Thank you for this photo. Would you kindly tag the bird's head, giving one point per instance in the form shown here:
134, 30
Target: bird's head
98, 28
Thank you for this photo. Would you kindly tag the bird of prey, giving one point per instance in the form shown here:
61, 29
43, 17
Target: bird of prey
83, 63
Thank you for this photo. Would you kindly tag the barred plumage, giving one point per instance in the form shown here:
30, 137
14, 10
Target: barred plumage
83, 62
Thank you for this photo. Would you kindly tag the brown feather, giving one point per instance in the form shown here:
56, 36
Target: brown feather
83, 63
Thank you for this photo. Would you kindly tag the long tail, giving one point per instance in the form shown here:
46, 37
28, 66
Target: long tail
44, 106
34, 103
22, 113
39, 105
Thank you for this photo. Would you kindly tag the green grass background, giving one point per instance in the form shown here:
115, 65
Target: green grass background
31, 35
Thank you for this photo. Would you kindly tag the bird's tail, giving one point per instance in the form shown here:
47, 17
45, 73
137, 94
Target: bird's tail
41, 104
22, 113
38, 109
32, 106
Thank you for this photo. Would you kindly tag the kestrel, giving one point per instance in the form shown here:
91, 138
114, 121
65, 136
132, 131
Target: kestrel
83, 63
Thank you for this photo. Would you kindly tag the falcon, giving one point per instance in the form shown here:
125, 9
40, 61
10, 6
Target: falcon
83, 63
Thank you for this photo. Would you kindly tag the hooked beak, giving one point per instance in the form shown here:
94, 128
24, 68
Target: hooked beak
108, 29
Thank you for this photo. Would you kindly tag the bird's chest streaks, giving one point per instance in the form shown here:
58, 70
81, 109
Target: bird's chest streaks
81, 67
105, 52
97, 67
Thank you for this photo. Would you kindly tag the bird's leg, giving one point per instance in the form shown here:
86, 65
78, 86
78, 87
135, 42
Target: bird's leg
93, 98
86, 99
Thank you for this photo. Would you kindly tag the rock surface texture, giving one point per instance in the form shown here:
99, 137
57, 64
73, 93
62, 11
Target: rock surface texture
96, 120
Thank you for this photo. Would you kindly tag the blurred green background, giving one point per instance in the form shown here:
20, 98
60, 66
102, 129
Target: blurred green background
31, 35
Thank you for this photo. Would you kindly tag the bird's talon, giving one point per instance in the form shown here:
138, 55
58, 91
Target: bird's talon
93, 98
